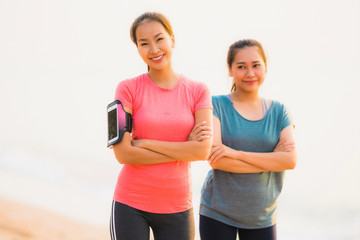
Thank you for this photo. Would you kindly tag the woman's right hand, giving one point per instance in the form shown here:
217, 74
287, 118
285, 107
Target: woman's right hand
200, 132
284, 145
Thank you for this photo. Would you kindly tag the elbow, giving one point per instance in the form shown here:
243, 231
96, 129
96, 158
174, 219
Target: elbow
203, 152
122, 150
293, 164
205, 149
214, 165
204, 155
293, 161
119, 157
121, 154
196, 152
199, 155
288, 163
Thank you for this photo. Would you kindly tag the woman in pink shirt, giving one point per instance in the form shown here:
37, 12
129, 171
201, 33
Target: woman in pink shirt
154, 185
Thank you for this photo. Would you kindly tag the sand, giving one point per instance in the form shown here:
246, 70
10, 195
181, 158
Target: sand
19, 221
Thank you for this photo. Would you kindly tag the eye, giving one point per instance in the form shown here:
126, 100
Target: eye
160, 39
143, 44
241, 67
257, 65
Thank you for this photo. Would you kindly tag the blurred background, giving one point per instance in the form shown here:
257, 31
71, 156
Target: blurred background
60, 62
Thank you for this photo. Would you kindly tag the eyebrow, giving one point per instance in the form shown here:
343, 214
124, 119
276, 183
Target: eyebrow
238, 63
144, 39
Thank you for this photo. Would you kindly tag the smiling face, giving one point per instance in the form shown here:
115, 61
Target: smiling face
248, 69
154, 45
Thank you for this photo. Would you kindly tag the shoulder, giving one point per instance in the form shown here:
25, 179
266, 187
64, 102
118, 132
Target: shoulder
194, 85
131, 86
130, 82
128, 89
219, 99
281, 110
277, 105
220, 103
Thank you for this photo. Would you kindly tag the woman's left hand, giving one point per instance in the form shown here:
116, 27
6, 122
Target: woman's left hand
284, 145
219, 150
200, 132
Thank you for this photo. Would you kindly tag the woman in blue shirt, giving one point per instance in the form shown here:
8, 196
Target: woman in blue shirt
253, 146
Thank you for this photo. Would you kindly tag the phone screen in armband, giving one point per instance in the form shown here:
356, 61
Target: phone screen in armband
119, 122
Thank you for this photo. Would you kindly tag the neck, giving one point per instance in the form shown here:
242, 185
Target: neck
243, 96
166, 78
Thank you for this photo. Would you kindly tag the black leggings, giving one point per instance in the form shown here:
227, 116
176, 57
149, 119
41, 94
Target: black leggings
128, 223
210, 229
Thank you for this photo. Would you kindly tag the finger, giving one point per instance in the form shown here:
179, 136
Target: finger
202, 124
284, 148
219, 154
207, 134
199, 124
280, 148
195, 130
213, 150
203, 137
281, 142
215, 144
198, 128
212, 156
200, 138
204, 129
215, 154
290, 147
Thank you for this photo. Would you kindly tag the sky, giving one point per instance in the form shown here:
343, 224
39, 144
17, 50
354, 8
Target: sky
60, 62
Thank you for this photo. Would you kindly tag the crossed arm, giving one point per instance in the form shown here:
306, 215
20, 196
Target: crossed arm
283, 157
146, 151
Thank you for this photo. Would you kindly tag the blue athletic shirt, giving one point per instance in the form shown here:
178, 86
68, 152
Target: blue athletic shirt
245, 200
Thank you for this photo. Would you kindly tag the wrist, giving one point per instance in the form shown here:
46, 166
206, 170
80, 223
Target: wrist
142, 143
239, 154
138, 143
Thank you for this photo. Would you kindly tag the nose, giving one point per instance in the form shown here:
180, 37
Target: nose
154, 48
250, 73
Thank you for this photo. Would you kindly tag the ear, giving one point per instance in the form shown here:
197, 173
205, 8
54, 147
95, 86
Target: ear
230, 71
172, 41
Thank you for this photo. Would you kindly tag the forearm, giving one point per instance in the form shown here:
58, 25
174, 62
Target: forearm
185, 151
271, 161
125, 153
235, 166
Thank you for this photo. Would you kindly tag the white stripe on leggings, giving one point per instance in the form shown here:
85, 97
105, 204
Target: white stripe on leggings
112, 224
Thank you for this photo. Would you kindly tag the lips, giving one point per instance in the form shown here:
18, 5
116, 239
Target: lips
250, 81
158, 58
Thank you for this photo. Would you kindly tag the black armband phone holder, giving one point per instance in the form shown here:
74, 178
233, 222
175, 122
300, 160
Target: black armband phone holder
119, 122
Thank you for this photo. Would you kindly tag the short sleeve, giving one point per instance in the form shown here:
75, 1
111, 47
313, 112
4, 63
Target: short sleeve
124, 93
286, 119
215, 104
203, 97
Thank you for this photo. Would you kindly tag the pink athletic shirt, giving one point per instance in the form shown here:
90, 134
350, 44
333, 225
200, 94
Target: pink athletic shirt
165, 115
